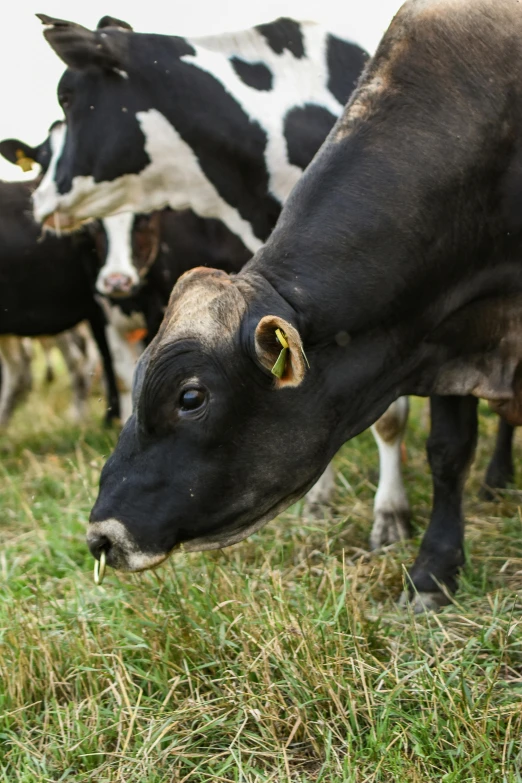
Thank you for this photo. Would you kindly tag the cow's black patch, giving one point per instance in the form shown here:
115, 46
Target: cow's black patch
232, 138
283, 34
345, 64
302, 146
256, 75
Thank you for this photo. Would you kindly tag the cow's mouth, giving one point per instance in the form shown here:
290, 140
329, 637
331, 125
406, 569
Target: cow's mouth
62, 223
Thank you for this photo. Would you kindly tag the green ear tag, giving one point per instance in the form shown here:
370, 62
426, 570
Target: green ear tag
279, 367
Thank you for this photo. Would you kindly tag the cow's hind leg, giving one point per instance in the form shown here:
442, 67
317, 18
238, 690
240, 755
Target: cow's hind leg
500, 471
15, 354
451, 448
391, 511
321, 494
97, 322
76, 346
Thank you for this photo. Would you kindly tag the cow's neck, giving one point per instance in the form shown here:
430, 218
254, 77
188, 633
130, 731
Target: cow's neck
380, 233
380, 247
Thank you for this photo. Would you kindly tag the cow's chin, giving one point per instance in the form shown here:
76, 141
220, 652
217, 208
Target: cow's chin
125, 555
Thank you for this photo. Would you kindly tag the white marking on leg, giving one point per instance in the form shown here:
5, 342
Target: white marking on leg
124, 354
391, 507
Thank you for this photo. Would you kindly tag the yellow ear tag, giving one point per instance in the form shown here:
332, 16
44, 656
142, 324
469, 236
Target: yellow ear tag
26, 164
279, 367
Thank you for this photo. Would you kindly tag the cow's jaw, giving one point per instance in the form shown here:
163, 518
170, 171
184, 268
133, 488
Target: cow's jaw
124, 554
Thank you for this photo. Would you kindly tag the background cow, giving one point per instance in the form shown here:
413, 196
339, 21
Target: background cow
45, 285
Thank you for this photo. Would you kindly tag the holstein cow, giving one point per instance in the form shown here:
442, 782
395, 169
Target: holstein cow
413, 207
222, 124
45, 289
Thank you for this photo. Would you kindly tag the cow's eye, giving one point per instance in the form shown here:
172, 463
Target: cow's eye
192, 399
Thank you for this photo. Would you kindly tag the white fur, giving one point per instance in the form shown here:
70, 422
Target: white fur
124, 354
46, 194
120, 538
391, 507
118, 229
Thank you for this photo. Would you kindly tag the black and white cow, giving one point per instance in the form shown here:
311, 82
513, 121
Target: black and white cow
254, 381
224, 125
45, 289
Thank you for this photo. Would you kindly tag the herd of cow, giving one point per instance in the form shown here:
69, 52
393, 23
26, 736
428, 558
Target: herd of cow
391, 267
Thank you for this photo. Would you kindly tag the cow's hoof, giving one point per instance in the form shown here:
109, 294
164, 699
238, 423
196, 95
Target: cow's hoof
390, 527
424, 602
489, 494
498, 476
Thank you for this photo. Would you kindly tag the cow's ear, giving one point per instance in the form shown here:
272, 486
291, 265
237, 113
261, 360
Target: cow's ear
15, 151
279, 349
111, 21
81, 48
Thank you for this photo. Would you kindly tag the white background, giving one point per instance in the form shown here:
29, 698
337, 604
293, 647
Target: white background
30, 70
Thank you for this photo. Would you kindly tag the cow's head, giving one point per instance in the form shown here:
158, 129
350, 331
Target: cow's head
127, 245
216, 445
109, 83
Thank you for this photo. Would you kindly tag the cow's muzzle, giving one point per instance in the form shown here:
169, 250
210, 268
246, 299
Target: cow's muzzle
121, 551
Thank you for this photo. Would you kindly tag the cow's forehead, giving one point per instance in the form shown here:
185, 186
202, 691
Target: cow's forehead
206, 305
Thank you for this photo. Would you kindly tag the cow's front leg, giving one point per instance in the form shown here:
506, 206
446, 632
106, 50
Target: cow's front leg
451, 448
501, 471
391, 510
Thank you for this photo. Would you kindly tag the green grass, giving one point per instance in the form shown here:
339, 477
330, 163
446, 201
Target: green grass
281, 659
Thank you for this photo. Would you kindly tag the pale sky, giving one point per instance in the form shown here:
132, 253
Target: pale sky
30, 69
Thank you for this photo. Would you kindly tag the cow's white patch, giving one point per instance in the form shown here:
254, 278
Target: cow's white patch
296, 82
46, 195
174, 177
124, 354
391, 509
118, 229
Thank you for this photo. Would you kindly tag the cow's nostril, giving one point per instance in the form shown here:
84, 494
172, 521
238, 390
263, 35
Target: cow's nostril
98, 544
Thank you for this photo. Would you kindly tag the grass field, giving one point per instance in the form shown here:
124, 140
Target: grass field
281, 659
